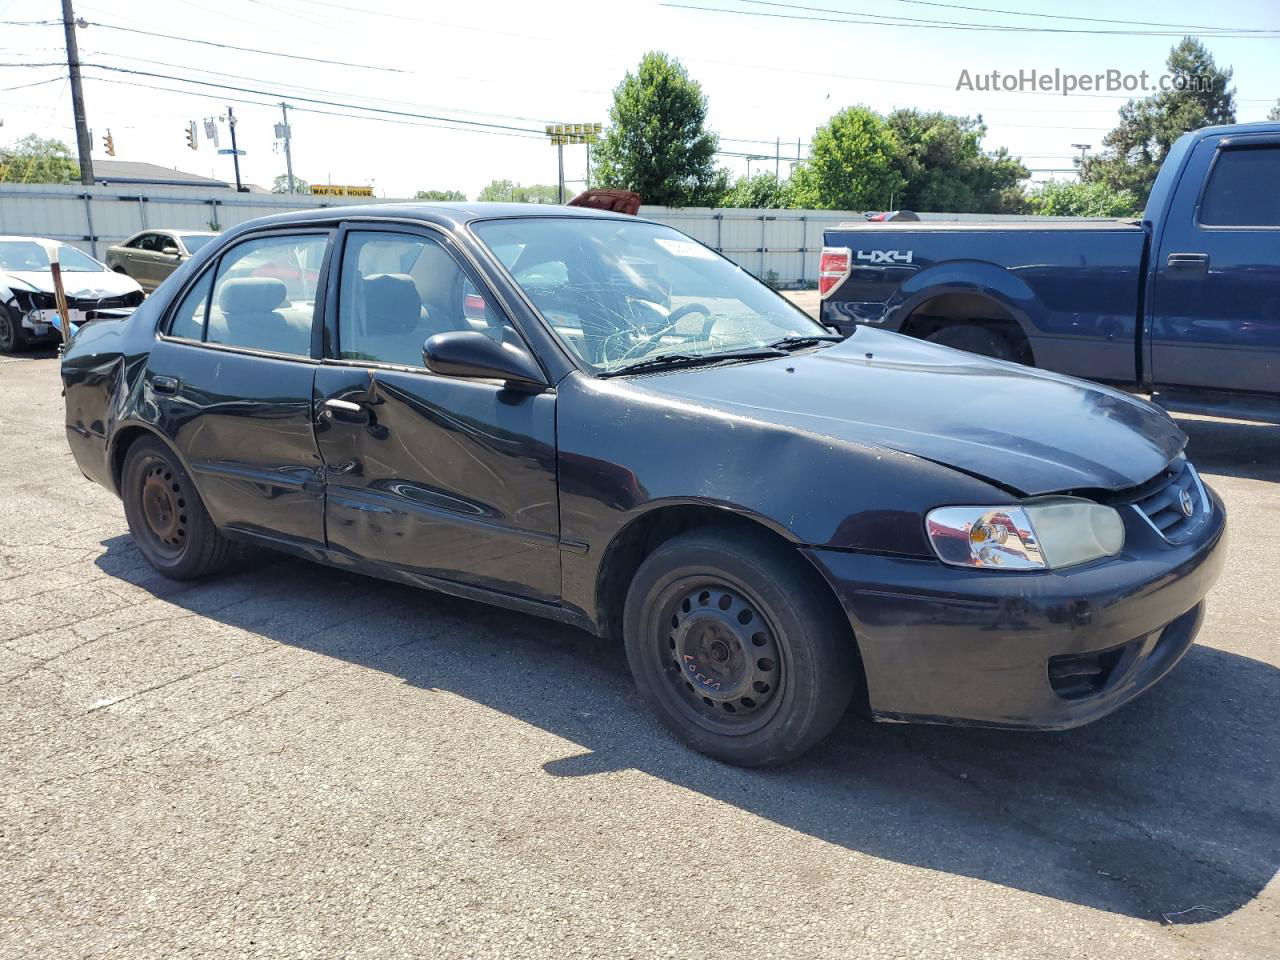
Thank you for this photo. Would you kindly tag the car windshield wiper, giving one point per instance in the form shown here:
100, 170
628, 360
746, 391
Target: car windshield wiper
694, 359
809, 340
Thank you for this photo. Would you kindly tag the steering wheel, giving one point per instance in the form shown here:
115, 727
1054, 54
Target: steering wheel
651, 340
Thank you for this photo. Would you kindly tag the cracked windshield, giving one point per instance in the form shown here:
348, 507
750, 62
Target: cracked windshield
620, 293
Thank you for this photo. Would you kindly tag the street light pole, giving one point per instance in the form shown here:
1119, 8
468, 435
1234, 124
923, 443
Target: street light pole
84, 145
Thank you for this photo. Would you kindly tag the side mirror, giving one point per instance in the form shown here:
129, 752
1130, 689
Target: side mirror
469, 353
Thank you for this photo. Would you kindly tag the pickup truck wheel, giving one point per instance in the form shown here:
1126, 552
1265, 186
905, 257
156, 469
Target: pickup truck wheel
974, 339
12, 337
166, 516
738, 650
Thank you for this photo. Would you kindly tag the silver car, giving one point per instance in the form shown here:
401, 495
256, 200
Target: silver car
151, 255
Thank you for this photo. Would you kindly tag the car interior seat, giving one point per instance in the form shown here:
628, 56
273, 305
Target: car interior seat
247, 314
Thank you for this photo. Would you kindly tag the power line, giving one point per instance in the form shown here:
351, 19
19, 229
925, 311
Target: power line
1217, 31
915, 23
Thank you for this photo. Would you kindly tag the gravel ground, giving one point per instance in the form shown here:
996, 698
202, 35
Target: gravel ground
293, 762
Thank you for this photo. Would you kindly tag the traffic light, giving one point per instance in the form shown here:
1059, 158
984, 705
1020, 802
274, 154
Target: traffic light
110, 144
191, 135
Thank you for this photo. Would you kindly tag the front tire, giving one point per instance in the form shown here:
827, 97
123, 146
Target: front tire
13, 339
737, 647
166, 516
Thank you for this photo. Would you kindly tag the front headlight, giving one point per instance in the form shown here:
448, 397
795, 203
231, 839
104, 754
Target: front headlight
1040, 534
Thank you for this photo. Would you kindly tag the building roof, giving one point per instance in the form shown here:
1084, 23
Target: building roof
130, 171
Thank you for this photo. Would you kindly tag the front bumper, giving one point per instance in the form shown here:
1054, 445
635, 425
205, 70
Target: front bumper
1043, 650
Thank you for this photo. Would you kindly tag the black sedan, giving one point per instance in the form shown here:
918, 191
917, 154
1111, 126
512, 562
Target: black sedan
593, 418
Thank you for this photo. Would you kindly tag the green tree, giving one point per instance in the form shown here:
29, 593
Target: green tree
36, 159
281, 184
851, 165
1201, 95
1274, 112
762, 190
1070, 199
658, 144
441, 196
505, 191
940, 158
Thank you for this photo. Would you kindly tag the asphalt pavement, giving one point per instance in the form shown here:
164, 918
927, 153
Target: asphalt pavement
296, 762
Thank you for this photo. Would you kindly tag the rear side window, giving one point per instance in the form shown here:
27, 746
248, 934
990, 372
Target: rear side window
189, 319
264, 295
1243, 189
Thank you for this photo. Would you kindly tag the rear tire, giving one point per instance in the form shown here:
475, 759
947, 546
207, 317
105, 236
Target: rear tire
976, 339
738, 649
166, 516
13, 338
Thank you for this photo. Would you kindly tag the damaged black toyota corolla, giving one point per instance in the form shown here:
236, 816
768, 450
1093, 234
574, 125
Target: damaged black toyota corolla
596, 419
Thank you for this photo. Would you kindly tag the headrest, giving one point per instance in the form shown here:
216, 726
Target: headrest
391, 303
252, 295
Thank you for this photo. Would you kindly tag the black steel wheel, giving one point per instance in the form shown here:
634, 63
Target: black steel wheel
166, 516
738, 647
12, 336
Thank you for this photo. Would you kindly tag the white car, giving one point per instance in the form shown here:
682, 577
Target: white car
28, 312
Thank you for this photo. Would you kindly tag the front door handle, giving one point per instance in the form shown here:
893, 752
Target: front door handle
166, 385
1188, 262
346, 406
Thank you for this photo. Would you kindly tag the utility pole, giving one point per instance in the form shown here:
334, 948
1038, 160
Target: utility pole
777, 161
84, 143
235, 152
288, 156
1084, 149
560, 155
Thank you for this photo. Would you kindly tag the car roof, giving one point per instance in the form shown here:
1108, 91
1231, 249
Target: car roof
441, 214
20, 239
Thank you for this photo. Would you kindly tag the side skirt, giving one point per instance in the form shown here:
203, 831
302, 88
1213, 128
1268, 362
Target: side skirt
342, 561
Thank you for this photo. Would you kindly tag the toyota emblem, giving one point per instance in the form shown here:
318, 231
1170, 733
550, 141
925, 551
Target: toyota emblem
1184, 501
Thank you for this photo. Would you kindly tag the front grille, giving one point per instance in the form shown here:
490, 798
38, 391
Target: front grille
107, 303
1176, 507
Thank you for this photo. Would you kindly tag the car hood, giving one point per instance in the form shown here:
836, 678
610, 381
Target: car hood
78, 286
1026, 430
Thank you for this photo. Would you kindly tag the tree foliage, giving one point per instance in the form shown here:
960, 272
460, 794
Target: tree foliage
1147, 129
1070, 199
762, 190
505, 191
281, 184
658, 144
851, 165
1274, 112
441, 196
36, 159
943, 166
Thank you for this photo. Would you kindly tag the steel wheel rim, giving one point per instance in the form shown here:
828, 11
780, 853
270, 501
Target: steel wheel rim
722, 662
163, 506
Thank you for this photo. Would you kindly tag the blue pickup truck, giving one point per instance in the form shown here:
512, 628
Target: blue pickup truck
1183, 304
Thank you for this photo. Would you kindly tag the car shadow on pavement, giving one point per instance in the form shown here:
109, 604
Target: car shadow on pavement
1233, 447
1165, 811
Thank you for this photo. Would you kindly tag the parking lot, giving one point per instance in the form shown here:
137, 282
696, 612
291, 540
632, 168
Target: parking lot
292, 761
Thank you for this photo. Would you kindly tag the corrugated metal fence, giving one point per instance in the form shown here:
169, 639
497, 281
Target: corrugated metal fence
780, 246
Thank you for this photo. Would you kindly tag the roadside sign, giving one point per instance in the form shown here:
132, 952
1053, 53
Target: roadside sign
228, 150
563, 133
339, 190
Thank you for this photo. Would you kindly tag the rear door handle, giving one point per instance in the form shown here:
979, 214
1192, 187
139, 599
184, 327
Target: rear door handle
1188, 262
168, 385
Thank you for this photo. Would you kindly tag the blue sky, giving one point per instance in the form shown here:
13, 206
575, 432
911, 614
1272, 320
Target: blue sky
520, 64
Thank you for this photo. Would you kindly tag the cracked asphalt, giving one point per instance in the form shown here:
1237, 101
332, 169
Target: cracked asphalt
295, 762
